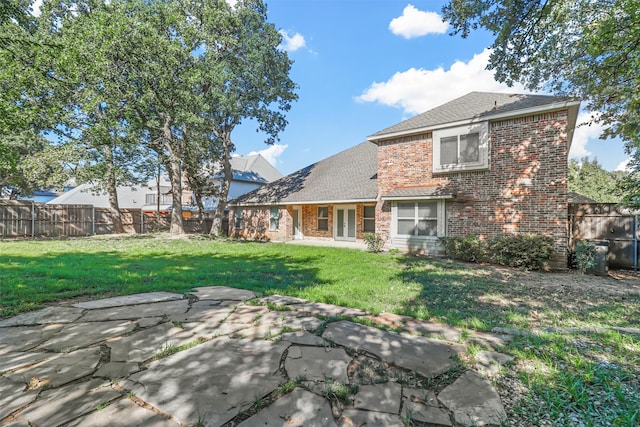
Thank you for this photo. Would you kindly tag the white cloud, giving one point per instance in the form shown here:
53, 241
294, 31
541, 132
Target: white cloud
418, 90
291, 43
583, 133
622, 166
271, 153
35, 7
416, 23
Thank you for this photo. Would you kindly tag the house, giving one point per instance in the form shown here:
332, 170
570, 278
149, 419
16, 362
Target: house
249, 173
485, 164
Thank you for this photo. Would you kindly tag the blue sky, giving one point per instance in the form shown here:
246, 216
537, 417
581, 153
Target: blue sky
363, 65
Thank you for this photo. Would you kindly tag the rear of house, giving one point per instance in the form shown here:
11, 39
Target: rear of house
485, 164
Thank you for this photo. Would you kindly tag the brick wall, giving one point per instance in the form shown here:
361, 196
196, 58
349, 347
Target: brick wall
524, 190
255, 224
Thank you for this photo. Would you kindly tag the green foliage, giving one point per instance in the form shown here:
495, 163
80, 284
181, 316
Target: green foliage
525, 251
374, 242
585, 255
588, 178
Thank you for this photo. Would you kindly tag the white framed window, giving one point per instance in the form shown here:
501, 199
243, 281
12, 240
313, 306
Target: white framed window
274, 218
369, 219
418, 218
237, 216
461, 148
323, 218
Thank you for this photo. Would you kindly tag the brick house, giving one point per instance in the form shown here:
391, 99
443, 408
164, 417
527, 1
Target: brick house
484, 164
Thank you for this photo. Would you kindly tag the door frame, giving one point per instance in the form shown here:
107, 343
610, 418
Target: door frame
296, 211
346, 209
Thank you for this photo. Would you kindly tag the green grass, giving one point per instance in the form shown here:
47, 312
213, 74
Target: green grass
568, 379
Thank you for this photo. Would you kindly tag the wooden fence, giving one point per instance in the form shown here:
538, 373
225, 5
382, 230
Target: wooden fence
28, 219
606, 221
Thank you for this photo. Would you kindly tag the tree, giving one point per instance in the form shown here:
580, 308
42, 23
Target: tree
589, 49
588, 178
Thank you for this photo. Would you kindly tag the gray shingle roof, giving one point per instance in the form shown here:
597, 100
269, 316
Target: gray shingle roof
348, 175
470, 106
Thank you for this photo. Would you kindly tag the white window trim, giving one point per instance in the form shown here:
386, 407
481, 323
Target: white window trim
441, 224
277, 218
482, 129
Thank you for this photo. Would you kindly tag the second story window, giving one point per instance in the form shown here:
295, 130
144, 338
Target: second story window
461, 148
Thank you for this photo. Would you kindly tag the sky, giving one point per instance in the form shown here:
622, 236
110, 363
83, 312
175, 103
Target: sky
364, 65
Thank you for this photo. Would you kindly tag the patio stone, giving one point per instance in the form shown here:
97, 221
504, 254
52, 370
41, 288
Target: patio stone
122, 413
23, 338
222, 293
44, 316
11, 361
148, 322
491, 340
59, 406
144, 344
13, 396
488, 363
59, 370
422, 405
298, 408
426, 356
247, 314
303, 338
327, 310
306, 323
379, 397
317, 364
282, 300
358, 418
203, 311
159, 309
212, 382
134, 299
117, 370
473, 401
416, 326
79, 335
211, 330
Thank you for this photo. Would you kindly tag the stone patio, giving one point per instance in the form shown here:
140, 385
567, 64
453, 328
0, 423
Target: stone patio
223, 358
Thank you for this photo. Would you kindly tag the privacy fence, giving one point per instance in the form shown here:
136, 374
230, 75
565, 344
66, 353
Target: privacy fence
605, 221
28, 219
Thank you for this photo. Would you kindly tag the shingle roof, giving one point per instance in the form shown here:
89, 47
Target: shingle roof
348, 175
471, 106
245, 168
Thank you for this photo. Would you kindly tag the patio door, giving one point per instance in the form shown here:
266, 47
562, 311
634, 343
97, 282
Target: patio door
297, 224
345, 223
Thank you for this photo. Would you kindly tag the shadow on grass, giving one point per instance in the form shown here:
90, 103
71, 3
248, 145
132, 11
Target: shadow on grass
28, 282
468, 296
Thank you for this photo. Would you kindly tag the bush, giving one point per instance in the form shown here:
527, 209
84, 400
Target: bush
374, 242
585, 255
525, 251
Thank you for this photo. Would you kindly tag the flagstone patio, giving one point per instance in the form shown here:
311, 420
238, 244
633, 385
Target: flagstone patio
221, 357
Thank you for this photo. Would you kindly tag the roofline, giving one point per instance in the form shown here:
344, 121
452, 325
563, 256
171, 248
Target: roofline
312, 202
425, 197
556, 106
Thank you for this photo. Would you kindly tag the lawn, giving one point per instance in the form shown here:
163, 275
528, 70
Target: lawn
558, 378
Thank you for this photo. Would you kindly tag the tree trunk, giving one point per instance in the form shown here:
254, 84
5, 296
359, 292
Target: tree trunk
173, 147
216, 227
112, 191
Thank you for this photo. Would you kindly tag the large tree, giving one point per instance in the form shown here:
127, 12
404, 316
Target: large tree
585, 48
588, 178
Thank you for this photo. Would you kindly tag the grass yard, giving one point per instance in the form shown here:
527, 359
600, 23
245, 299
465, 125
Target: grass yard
557, 379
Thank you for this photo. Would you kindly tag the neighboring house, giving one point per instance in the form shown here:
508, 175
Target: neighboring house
249, 173
485, 164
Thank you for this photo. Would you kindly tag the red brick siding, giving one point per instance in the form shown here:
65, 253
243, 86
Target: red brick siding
255, 224
524, 190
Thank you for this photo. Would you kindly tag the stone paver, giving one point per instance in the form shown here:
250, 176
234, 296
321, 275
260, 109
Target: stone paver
426, 356
139, 311
379, 397
80, 335
134, 299
222, 293
489, 363
22, 338
44, 316
298, 408
56, 365
358, 418
59, 406
474, 401
60, 370
317, 364
212, 382
122, 413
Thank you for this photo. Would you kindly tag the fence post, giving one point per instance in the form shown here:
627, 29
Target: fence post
141, 222
33, 220
93, 220
635, 243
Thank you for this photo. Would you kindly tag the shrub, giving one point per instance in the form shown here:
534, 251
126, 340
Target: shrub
374, 242
525, 251
585, 255
468, 248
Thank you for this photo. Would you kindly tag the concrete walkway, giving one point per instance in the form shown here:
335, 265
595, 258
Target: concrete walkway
330, 243
218, 359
